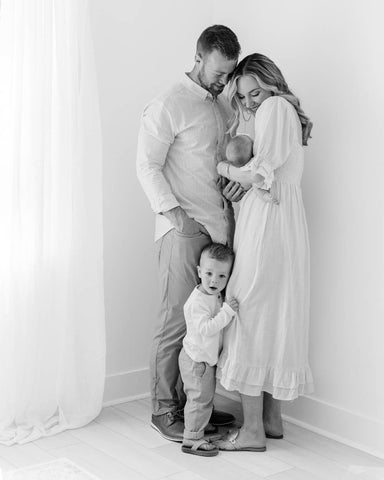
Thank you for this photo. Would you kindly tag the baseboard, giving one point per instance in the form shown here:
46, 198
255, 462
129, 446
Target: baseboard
126, 386
332, 421
316, 415
340, 424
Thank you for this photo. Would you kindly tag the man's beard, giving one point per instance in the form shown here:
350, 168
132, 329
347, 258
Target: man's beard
212, 89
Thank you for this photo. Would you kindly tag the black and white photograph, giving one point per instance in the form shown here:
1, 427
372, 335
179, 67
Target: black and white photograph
191, 240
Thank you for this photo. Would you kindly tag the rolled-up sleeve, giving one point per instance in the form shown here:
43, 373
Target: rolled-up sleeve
156, 135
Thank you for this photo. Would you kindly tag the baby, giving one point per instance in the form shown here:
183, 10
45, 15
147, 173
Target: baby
205, 316
239, 152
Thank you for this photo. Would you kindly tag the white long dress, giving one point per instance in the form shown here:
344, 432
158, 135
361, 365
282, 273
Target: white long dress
266, 346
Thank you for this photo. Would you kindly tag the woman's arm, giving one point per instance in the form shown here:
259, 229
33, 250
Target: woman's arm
231, 172
228, 170
275, 134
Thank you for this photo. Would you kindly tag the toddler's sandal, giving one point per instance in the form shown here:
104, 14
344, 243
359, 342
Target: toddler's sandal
195, 448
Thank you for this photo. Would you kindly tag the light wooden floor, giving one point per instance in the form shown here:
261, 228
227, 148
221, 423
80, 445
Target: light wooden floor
120, 445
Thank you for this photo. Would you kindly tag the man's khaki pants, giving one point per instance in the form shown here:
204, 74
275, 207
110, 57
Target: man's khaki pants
178, 257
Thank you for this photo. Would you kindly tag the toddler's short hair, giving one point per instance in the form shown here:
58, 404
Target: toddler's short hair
218, 251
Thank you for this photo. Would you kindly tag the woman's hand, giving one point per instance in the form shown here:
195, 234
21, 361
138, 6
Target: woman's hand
266, 196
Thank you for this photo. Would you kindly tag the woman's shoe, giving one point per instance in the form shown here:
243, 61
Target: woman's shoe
229, 443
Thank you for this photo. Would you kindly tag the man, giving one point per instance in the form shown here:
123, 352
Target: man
181, 139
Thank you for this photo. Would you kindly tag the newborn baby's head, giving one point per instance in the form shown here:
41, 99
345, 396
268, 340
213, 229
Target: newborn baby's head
239, 150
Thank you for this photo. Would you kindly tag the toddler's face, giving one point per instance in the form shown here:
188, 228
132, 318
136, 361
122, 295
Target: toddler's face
214, 274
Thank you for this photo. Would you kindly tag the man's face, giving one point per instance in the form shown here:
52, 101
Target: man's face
214, 71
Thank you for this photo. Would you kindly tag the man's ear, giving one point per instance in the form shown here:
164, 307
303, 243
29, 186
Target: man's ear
199, 271
198, 57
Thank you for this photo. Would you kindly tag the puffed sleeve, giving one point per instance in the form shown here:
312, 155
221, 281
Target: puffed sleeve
275, 134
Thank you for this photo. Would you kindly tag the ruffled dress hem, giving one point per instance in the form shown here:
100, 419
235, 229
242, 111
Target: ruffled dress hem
252, 381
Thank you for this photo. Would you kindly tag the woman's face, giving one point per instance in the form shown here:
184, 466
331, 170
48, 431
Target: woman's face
250, 94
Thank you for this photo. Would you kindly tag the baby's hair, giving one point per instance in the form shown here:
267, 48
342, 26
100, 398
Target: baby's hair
218, 251
239, 148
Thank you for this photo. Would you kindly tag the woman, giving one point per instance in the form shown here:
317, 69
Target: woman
264, 355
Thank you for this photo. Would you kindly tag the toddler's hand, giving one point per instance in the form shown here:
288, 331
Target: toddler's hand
267, 196
233, 303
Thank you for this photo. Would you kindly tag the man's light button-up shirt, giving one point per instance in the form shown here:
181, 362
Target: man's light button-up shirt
181, 140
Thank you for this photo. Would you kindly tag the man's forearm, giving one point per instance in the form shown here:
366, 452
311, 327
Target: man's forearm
176, 216
183, 223
151, 158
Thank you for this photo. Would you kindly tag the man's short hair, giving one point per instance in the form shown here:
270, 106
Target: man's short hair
221, 38
218, 251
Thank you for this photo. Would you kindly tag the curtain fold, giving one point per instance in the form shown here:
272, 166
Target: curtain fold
52, 338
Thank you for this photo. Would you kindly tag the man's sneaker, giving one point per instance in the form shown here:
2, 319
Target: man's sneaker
209, 429
169, 426
219, 418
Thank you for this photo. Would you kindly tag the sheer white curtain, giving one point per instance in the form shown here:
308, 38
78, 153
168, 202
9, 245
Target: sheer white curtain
52, 339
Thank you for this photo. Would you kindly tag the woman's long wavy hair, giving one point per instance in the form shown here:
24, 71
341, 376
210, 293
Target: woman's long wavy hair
270, 78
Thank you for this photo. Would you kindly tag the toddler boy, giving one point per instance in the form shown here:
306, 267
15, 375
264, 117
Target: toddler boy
205, 315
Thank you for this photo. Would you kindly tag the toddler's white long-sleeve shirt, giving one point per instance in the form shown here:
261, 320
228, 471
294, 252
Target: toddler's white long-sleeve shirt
205, 317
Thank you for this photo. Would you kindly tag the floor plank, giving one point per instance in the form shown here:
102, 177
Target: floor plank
329, 448
62, 439
263, 465
306, 460
126, 451
24, 455
141, 432
121, 445
210, 468
97, 462
136, 409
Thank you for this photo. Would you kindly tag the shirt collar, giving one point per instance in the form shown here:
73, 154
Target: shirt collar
197, 89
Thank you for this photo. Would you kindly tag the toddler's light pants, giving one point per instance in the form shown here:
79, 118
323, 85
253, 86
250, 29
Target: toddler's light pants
199, 386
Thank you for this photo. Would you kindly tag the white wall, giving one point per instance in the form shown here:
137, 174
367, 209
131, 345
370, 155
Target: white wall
141, 46
332, 56
331, 52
